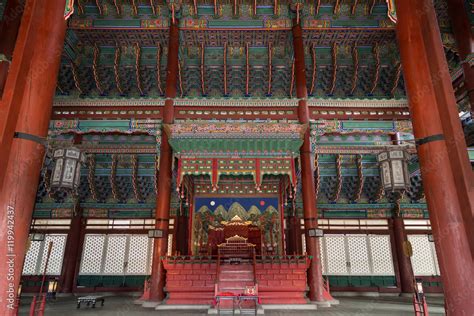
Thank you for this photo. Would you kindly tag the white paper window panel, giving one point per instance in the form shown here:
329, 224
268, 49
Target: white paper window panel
358, 255
92, 254
31, 258
322, 252
35, 259
381, 255
57, 254
336, 254
423, 260
137, 262
106, 254
115, 254
150, 254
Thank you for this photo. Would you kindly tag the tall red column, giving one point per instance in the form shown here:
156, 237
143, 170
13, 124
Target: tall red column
8, 33
404, 264
315, 276
164, 179
447, 176
17, 197
72, 254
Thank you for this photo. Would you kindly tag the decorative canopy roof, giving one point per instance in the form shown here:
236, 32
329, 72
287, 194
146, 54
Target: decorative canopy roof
231, 139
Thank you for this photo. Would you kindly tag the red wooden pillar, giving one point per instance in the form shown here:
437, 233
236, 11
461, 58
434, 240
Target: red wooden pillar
72, 254
315, 276
447, 176
8, 33
25, 159
405, 269
461, 26
164, 179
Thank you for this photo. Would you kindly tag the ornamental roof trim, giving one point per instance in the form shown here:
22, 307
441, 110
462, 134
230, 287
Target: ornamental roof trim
223, 102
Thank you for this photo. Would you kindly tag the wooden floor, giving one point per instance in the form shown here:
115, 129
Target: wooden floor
354, 306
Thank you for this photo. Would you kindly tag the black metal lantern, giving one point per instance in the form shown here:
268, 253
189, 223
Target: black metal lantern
67, 169
394, 170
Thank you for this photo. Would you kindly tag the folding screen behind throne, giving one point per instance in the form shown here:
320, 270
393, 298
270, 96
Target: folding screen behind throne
213, 227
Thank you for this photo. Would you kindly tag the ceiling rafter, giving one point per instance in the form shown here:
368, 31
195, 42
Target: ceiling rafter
95, 70
334, 68
317, 6
134, 7
137, 68
153, 7
360, 179
158, 68
99, 7
292, 84
203, 87
354, 7
376, 53
117, 57
118, 7
396, 79
337, 7
275, 7
371, 6
270, 73
180, 79
225, 69
247, 69
315, 69
338, 188
80, 7
75, 77
355, 74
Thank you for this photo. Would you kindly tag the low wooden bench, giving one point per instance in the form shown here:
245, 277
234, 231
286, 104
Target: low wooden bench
90, 300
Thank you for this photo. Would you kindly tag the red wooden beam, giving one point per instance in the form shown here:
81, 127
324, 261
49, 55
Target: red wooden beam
16, 81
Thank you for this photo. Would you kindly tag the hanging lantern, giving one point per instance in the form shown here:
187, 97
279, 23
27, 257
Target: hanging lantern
394, 170
67, 169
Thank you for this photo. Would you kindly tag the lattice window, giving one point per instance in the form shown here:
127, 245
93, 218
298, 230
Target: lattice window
336, 253
150, 254
322, 252
423, 260
57, 254
115, 255
31, 259
138, 254
358, 255
92, 254
381, 255
170, 245
35, 259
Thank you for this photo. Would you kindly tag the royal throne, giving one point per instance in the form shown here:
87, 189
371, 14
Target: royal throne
232, 233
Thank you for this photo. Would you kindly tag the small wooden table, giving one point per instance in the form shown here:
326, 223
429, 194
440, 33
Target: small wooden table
90, 300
